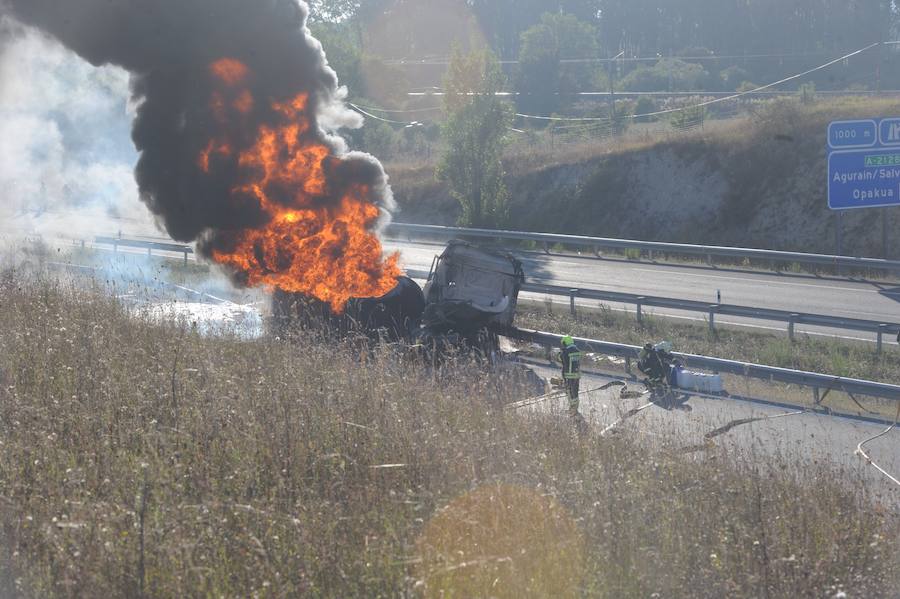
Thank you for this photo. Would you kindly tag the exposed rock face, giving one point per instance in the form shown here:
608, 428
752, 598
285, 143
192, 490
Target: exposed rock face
767, 188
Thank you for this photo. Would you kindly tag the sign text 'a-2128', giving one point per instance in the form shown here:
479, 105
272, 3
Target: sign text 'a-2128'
864, 163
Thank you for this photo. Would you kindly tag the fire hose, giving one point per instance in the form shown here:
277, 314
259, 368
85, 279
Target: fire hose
861, 452
559, 393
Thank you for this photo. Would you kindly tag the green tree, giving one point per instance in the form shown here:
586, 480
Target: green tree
546, 84
477, 120
343, 55
669, 74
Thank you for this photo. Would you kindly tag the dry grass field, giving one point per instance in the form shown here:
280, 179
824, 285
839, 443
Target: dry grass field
140, 459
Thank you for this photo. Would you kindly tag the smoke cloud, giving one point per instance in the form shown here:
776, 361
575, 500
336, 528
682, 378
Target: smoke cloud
167, 47
66, 160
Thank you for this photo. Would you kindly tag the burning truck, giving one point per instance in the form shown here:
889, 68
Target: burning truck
469, 298
238, 131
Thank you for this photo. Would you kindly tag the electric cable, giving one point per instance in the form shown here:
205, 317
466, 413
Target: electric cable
709, 102
443, 61
378, 118
385, 110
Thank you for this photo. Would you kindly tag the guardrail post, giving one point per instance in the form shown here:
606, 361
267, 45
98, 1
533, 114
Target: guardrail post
572, 294
816, 398
547, 247
149, 252
709, 260
791, 322
881, 329
712, 318
640, 312
650, 255
628, 365
185, 256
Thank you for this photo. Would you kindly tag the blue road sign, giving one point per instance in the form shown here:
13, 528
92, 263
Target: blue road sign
864, 164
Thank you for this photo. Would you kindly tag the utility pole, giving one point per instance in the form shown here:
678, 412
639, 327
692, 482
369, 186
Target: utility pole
612, 89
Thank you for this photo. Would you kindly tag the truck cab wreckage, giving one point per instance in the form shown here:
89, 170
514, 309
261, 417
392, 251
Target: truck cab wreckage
470, 298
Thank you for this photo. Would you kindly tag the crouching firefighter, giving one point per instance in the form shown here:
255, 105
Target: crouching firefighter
571, 372
655, 361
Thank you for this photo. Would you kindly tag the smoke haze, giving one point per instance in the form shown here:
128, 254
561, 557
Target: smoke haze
167, 47
66, 160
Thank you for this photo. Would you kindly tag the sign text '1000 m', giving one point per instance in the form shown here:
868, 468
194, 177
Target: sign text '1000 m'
864, 163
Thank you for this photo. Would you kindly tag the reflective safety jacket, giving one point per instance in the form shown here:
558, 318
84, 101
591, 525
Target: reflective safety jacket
571, 362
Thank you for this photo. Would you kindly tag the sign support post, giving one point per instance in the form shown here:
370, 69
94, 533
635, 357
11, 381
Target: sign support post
838, 236
863, 171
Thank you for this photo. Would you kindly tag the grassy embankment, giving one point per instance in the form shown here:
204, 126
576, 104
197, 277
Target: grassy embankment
142, 459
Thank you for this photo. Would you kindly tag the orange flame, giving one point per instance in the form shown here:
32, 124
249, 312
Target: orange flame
327, 252
229, 71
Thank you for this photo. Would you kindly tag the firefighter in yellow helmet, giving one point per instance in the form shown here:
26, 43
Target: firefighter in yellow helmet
571, 372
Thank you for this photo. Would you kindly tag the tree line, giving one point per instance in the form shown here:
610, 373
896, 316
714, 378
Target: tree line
553, 49
562, 47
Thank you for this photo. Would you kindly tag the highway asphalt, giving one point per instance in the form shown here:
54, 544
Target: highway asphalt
869, 300
791, 292
802, 438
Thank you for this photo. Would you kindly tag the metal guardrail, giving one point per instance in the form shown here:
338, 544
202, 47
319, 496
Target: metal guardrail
712, 310
596, 243
640, 301
791, 318
630, 352
815, 381
147, 244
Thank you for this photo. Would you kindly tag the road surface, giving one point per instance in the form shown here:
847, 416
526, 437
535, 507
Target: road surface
803, 438
867, 300
790, 292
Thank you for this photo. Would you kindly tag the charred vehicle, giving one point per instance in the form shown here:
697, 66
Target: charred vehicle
470, 297
392, 317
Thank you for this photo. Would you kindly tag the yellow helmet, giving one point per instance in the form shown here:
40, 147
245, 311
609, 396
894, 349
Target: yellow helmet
567, 341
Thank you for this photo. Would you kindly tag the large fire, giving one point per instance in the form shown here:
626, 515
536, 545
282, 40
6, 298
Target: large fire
324, 250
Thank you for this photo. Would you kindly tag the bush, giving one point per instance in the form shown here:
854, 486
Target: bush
379, 139
807, 92
734, 77
645, 105
669, 74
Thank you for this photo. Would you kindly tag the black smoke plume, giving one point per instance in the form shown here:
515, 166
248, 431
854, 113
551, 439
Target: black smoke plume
167, 46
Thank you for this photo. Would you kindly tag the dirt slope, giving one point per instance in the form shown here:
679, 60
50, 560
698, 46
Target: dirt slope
758, 182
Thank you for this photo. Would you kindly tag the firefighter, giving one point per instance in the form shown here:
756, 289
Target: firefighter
571, 372
656, 362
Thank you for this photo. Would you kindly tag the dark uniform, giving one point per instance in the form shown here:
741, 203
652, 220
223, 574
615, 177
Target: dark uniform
655, 363
571, 372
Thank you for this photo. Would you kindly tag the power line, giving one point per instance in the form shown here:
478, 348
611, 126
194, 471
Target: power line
408, 111
378, 118
442, 61
709, 102
363, 110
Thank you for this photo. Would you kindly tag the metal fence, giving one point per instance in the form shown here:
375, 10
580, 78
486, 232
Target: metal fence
713, 310
595, 244
880, 329
817, 382
639, 301
149, 244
